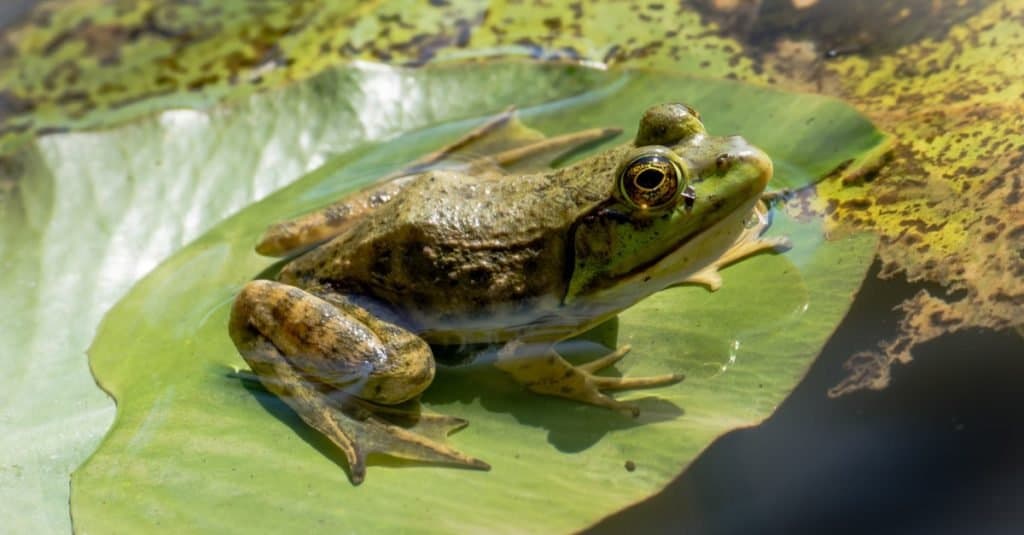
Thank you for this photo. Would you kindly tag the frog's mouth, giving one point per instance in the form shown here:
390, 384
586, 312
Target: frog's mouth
691, 256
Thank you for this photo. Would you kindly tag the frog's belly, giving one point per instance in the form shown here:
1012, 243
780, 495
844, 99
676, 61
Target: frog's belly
540, 319
549, 319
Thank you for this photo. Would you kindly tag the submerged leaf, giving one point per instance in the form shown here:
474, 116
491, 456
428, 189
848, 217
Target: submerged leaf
949, 202
86, 63
191, 437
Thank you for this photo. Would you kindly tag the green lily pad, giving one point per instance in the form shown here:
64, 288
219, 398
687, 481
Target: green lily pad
195, 448
83, 216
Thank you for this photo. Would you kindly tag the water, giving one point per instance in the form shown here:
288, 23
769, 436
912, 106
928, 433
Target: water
938, 451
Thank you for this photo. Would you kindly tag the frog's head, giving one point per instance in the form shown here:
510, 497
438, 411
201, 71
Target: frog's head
681, 199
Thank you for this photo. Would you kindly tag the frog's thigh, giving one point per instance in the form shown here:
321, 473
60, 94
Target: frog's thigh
546, 372
379, 361
276, 327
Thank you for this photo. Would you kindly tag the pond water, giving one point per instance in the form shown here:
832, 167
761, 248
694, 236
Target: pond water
938, 451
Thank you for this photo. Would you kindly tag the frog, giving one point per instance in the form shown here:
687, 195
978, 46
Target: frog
498, 250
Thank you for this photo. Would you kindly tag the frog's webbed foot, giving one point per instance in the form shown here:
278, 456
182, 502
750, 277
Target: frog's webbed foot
345, 372
774, 196
710, 278
750, 242
358, 428
548, 373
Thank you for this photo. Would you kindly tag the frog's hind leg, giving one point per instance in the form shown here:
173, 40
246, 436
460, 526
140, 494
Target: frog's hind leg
547, 372
283, 333
540, 154
505, 145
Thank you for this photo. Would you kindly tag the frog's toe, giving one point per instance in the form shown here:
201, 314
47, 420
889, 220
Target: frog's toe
626, 383
605, 361
359, 433
421, 442
357, 427
552, 375
778, 195
623, 383
592, 395
360, 428
590, 389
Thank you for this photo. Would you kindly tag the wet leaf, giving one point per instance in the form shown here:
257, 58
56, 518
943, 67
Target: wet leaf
84, 216
949, 203
196, 449
83, 63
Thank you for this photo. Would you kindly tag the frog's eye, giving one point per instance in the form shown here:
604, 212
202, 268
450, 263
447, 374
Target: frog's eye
651, 181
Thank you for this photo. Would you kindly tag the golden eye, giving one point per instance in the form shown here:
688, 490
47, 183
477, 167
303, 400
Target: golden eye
650, 181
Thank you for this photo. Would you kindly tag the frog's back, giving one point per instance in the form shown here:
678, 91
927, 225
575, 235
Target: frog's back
454, 249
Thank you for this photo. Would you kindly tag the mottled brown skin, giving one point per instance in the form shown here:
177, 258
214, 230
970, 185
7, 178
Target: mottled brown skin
479, 255
308, 326
524, 259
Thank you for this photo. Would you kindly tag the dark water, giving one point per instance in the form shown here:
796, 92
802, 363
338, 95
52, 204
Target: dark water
940, 451
838, 27
12, 11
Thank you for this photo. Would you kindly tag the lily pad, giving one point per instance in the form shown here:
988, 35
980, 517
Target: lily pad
194, 448
83, 216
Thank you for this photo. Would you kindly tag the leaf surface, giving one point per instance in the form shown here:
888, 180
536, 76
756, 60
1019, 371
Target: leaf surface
194, 448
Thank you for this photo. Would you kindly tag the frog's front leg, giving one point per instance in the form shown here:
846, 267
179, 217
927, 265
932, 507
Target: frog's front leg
544, 371
336, 364
749, 243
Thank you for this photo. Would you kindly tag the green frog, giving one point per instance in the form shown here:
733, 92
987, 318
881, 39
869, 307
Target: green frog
490, 253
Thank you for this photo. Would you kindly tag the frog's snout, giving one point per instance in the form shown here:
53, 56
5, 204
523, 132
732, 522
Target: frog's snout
761, 161
743, 153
